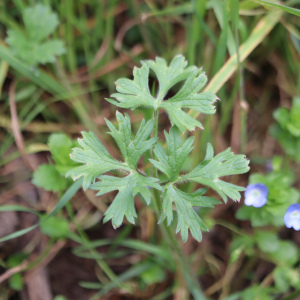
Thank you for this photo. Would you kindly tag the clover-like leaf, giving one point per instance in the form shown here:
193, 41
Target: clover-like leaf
212, 168
31, 46
187, 217
128, 187
132, 149
133, 93
171, 163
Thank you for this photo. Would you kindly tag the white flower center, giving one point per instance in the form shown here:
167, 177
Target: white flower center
256, 193
295, 215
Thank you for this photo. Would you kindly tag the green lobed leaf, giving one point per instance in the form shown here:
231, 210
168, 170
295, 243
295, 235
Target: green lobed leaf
95, 159
188, 97
132, 150
55, 227
123, 204
171, 163
48, 178
212, 168
134, 93
60, 146
47, 51
39, 21
187, 217
31, 46
168, 76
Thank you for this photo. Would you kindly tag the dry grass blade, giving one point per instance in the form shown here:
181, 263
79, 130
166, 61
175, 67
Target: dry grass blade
16, 128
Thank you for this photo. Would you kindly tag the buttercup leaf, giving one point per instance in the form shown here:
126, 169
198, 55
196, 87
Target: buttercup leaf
95, 158
123, 204
212, 168
187, 217
40, 22
31, 46
177, 153
132, 149
133, 93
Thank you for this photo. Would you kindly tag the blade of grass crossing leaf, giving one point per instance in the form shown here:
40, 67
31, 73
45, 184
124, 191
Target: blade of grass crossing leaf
291, 10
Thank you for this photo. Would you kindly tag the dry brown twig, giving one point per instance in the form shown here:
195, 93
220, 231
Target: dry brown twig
16, 128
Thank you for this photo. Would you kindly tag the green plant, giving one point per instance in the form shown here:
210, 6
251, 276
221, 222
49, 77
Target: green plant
51, 177
287, 129
32, 46
96, 160
281, 195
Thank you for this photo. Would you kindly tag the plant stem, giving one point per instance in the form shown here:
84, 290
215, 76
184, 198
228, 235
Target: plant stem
86, 242
183, 263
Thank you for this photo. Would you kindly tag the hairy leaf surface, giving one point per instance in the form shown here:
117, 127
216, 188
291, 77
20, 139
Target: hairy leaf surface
95, 159
132, 150
212, 168
187, 217
128, 187
171, 163
133, 93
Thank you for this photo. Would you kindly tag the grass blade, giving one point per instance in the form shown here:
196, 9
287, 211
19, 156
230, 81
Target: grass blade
291, 10
41, 79
18, 233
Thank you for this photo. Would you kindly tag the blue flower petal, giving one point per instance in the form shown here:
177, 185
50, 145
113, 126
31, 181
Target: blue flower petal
296, 224
292, 217
256, 195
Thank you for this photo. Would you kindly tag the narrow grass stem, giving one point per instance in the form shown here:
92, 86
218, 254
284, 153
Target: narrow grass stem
86, 242
183, 263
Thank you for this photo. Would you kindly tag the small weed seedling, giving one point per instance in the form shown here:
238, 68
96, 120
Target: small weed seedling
96, 160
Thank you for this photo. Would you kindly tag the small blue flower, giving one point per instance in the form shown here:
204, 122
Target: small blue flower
292, 217
256, 195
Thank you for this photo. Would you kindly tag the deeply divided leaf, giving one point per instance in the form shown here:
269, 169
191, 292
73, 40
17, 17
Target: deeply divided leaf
188, 219
31, 46
134, 93
128, 187
212, 168
132, 149
171, 163
95, 159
